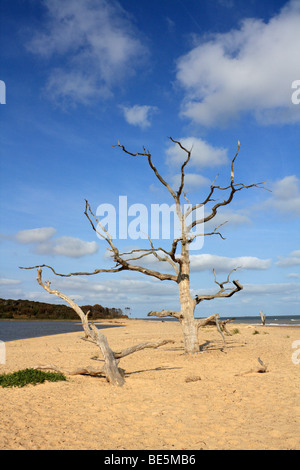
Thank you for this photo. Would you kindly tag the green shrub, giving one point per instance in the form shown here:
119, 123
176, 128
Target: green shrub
235, 331
29, 376
255, 332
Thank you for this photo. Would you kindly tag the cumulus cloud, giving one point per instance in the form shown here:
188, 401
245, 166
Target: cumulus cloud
285, 197
225, 264
97, 42
250, 69
293, 259
278, 289
35, 235
203, 154
9, 282
293, 275
138, 115
133, 290
230, 217
68, 246
192, 182
42, 239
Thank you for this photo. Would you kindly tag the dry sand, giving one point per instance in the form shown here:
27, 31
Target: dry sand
158, 408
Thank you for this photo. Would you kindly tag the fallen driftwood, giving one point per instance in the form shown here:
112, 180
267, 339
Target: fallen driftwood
110, 370
221, 325
103, 372
81, 371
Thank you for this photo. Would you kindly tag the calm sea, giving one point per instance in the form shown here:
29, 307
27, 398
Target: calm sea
11, 330
279, 320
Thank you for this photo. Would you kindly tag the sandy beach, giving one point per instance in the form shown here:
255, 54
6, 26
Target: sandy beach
170, 401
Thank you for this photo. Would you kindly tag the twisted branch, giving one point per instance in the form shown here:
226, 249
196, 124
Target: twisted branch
113, 374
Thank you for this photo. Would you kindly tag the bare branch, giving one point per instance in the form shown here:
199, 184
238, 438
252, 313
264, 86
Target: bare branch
148, 155
139, 347
233, 189
121, 261
214, 232
221, 284
171, 260
164, 313
121, 264
110, 369
232, 163
83, 273
222, 292
189, 152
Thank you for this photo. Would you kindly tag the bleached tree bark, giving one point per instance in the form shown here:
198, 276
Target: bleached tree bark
180, 262
111, 371
263, 318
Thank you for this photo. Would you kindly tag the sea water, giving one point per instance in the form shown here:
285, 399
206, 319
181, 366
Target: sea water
12, 330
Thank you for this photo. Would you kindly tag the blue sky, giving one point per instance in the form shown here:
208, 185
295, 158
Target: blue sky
81, 75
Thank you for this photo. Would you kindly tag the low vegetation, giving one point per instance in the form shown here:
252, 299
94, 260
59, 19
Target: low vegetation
29, 376
29, 309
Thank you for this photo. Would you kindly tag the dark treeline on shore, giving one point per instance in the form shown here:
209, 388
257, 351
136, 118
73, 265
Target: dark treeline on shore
31, 310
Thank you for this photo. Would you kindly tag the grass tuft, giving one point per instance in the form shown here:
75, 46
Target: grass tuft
29, 376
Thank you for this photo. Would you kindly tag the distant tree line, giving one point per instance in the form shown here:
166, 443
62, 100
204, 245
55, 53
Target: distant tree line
29, 309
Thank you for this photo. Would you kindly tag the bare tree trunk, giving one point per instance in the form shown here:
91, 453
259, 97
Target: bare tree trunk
187, 303
190, 333
263, 318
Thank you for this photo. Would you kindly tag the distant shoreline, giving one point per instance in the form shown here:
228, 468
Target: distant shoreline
272, 320
279, 320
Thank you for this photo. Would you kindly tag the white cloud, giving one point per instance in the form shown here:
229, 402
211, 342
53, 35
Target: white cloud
250, 69
203, 154
293, 259
251, 292
9, 282
225, 264
97, 42
64, 246
35, 235
278, 289
286, 195
293, 276
68, 246
192, 182
138, 115
129, 290
232, 219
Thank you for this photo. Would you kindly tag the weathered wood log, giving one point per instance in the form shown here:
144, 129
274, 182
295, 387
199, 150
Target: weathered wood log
80, 371
139, 347
222, 324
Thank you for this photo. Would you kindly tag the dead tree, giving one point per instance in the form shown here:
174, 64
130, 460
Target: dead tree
180, 262
110, 370
263, 318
